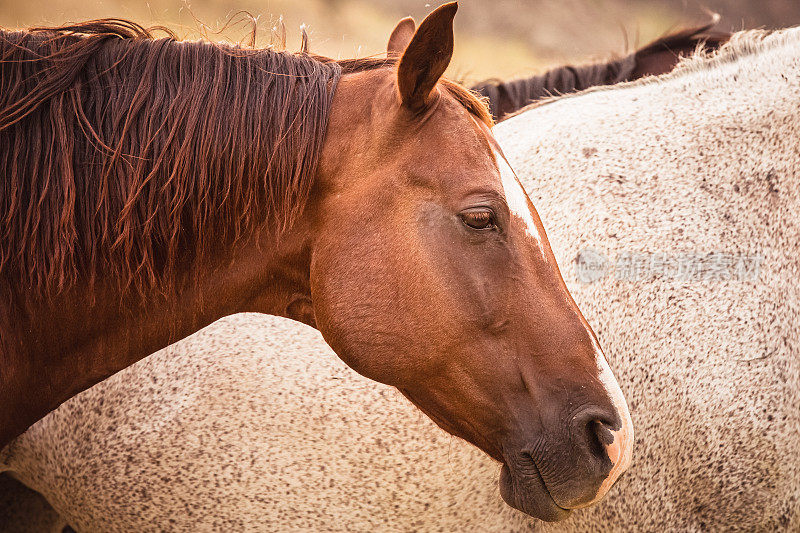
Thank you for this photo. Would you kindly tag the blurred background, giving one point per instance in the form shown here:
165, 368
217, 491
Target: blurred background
494, 38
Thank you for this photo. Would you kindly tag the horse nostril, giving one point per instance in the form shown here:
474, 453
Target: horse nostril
603, 441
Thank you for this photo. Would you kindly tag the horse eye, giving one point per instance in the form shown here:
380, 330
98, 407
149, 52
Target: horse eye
479, 218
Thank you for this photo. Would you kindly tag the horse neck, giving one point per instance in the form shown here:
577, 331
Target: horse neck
510, 96
104, 330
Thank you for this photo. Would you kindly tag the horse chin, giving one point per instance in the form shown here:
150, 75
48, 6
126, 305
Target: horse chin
530, 495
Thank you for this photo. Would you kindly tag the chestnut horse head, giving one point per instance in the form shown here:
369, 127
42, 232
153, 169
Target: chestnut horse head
431, 272
407, 239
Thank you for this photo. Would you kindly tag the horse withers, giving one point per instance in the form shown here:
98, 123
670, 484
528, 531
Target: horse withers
151, 186
655, 58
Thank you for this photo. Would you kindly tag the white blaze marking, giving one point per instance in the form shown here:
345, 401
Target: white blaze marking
515, 195
621, 449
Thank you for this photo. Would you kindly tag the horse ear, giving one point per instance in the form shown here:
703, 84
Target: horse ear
426, 57
400, 37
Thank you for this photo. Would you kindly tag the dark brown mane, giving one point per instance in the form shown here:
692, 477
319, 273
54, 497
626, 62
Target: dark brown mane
506, 97
124, 153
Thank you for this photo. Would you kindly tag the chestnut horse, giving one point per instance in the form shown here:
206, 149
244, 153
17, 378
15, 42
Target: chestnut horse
150, 187
658, 57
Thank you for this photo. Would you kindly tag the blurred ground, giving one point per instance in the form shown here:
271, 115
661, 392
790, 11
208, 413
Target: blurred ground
494, 38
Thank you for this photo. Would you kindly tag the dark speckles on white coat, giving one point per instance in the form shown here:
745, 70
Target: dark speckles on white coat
711, 369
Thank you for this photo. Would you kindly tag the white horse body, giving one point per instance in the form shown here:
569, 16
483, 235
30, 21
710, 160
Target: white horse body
700, 167
253, 424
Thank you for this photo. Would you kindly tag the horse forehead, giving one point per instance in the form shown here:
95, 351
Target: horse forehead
454, 126
451, 146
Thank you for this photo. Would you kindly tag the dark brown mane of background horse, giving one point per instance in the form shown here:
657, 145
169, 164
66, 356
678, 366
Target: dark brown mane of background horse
125, 154
658, 57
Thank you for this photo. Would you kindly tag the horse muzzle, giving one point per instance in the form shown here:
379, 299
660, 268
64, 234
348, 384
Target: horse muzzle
552, 476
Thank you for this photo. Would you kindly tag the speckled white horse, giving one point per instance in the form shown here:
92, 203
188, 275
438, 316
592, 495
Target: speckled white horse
674, 200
